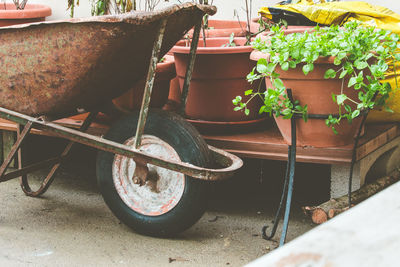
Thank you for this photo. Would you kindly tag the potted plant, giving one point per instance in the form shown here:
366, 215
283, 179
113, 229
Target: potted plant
211, 29
334, 71
219, 74
21, 12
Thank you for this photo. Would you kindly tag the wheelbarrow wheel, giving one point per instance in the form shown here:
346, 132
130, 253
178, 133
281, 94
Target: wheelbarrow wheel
169, 203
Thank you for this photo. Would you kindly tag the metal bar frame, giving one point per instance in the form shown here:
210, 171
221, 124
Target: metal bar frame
55, 162
144, 110
189, 70
227, 161
15, 148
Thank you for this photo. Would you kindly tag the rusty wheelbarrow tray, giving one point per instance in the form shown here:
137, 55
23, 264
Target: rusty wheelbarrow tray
148, 161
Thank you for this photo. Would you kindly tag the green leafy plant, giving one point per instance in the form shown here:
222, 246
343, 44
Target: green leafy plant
361, 54
231, 42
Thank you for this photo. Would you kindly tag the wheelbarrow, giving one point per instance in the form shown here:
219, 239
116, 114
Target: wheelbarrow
152, 166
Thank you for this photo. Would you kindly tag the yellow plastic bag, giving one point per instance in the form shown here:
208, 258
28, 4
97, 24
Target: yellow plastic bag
338, 13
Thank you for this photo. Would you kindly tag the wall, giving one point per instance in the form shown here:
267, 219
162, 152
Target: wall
225, 7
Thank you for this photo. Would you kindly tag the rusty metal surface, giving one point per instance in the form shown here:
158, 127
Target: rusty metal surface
229, 163
14, 150
52, 68
189, 70
54, 163
158, 190
144, 109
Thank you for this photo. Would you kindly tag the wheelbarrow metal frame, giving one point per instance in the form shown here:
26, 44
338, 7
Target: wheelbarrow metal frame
229, 162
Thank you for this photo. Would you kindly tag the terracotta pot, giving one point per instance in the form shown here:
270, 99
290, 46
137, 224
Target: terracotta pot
254, 27
223, 28
219, 76
218, 28
316, 92
32, 13
132, 99
289, 30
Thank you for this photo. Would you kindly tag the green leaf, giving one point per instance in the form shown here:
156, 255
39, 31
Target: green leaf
248, 92
308, 68
360, 65
278, 84
337, 61
355, 113
341, 55
341, 98
237, 108
343, 74
296, 53
246, 111
285, 66
330, 73
271, 67
262, 66
352, 81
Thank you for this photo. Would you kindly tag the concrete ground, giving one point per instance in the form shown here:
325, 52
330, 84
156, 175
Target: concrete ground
71, 225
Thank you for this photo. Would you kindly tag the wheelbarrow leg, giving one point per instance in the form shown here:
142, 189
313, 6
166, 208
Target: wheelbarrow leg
14, 150
149, 84
189, 70
51, 175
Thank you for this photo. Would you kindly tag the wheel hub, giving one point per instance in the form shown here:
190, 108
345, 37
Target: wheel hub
160, 191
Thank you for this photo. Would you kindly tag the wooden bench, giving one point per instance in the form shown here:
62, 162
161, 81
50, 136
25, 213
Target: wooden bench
378, 151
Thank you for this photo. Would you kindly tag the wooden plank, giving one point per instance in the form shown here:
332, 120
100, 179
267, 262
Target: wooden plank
269, 144
376, 137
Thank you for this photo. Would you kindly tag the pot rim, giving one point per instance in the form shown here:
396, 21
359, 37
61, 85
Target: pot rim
30, 11
256, 55
180, 49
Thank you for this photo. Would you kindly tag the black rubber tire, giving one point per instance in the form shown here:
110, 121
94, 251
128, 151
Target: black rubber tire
191, 148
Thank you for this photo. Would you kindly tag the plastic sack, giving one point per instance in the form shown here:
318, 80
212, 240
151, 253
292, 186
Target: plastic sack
306, 12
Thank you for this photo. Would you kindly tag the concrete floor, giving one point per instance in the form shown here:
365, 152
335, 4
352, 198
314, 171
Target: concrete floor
71, 225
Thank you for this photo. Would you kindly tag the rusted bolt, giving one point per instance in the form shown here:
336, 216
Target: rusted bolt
136, 180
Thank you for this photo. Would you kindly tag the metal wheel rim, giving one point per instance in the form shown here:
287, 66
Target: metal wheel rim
151, 199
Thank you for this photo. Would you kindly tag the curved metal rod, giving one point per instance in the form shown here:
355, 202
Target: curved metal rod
288, 185
281, 204
24, 183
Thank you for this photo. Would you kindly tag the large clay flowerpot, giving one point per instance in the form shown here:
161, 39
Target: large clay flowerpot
223, 28
132, 99
9, 15
217, 28
316, 92
219, 76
